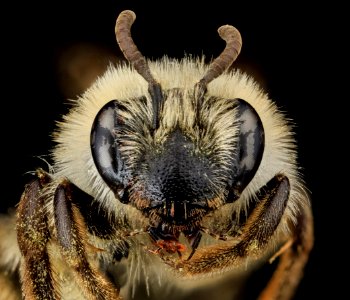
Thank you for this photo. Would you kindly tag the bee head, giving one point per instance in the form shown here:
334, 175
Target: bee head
175, 172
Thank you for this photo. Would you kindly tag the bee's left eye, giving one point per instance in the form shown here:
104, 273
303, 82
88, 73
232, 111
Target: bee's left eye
251, 144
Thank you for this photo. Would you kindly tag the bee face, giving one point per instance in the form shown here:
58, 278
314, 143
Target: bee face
171, 173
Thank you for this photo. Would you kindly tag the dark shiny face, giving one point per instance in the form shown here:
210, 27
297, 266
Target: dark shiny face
179, 180
176, 185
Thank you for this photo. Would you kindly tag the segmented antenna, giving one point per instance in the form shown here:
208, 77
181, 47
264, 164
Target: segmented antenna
233, 47
126, 44
233, 40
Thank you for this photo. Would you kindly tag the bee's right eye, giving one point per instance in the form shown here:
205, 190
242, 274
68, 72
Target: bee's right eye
104, 148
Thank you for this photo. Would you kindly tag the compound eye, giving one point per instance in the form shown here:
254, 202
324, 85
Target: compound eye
105, 149
251, 143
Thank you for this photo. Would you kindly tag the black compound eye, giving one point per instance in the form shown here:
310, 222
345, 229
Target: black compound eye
251, 143
104, 147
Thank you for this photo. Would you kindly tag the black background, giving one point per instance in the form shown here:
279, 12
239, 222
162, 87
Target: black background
287, 45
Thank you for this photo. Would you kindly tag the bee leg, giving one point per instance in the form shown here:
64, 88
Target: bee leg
33, 235
292, 260
256, 232
71, 237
